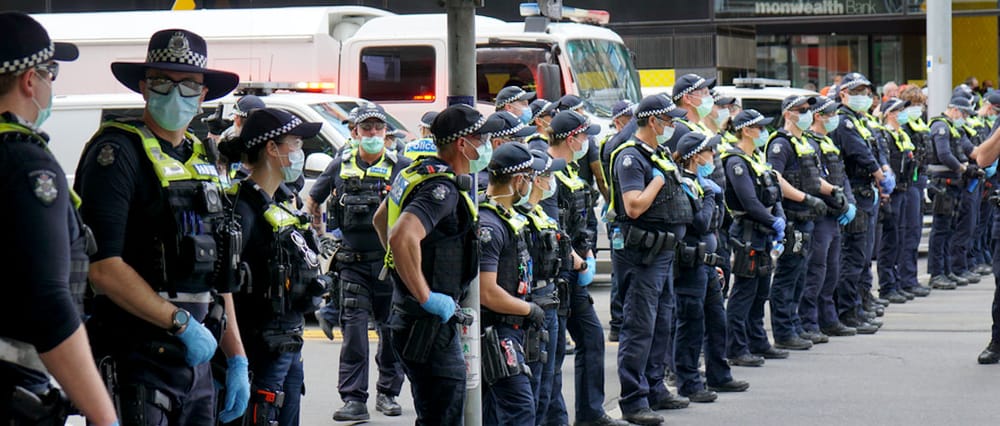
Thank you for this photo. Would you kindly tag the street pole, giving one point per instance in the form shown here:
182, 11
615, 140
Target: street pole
938, 56
462, 90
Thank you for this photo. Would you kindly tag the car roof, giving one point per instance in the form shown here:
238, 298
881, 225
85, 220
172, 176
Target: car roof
772, 93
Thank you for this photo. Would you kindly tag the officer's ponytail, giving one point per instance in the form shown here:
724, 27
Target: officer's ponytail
234, 150
551, 134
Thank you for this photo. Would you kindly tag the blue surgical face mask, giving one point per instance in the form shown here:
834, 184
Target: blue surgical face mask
913, 113
705, 106
525, 115
859, 103
524, 197
172, 111
372, 144
705, 170
903, 117
831, 123
663, 137
583, 151
292, 172
485, 151
721, 116
43, 113
959, 122
548, 193
761, 138
805, 120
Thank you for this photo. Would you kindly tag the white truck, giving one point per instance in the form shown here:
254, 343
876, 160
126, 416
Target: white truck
399, 61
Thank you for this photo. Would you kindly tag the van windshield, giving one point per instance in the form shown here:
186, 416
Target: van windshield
604, 74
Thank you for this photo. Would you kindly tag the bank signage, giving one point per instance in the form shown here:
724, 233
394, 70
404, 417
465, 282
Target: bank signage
768, 8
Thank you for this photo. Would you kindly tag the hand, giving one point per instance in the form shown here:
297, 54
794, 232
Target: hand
888, 183
658, 173
848, 216
337, 234
237, 389
991, 170
536, 316
199, 342
441, 305
815, 204
973, 171
779, 227
839, 197
586, 276
709, 185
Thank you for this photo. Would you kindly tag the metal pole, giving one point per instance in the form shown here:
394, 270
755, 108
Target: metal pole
938, 56
462, 90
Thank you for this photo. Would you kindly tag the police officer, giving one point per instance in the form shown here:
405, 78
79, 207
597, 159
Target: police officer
515, 100
691, 92
506, 280
542, 112
48, 260
986, 154
569, 133
651, 211
512, 129
543, 245
428, 211
979, 253
797, 162
950, 172
279, 251
863, 167
817, 309
701, 316
968, 209
753, 198
901, 159
244, 106
361, 181
912, 217
621, 115
424, 146
154, 203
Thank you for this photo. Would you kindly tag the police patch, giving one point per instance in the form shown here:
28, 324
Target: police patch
849, 124
44, 187
439, 192
776, 149
106, 156
627, 161
941, 131
738, 170
485, 235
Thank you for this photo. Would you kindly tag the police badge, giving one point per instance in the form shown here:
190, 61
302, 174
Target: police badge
485, 235
44, 186
439, 192
738, 170
106, 156
627, 161
178, 45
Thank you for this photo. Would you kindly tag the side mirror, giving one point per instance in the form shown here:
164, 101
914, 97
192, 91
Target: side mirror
316, 163
549, 83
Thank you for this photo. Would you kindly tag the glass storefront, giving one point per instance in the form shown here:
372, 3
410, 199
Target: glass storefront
816, 59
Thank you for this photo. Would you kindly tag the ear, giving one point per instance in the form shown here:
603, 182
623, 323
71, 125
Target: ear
27, 83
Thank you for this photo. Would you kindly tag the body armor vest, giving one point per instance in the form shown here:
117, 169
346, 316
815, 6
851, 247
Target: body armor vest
671, 205
294, 284
543, 244
806, 176
976, 130
514, 269
901, 157
420, 148
954, 142
82, 245
766, 187
831, 159
919, 134
192, 227
361, 193
695, 127
449, 262
871, 142
574, 200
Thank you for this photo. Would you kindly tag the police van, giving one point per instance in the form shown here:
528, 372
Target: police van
75, 118
399, 61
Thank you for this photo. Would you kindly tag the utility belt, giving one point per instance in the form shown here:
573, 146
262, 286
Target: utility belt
282, 341
348, 256
651, 242
749, 262
793, 215
940, 169
500, 357
492, 318
24, 407
691, 256
426, 329
545, 301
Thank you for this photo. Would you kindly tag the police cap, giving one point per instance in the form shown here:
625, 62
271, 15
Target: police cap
512, 126
963, 104
511, 158
460, 120
247, 104
749, 118
267, 124
569, 103
689, 83
512, 94
893, 104
794, 101
823, 105
369, 110
551, 164
427, 119
694, 142
853, 80
622, 108
658, 105
569, 123
26, 44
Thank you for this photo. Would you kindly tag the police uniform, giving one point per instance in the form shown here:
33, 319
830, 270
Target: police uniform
158, 207
644, 266
429, 350
901, 160
621, 109
701, 315
979, 250
754, 200
912, 217
968, 211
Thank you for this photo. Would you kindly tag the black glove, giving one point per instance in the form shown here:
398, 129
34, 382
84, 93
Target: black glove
536, 317
815, 204
216, 124
972, 171
839, 197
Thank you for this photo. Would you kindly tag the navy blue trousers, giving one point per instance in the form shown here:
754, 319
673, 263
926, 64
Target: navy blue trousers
438, 385
856, 262
942, 230
788, 285
817, 307
965, 225
701, 324
890, 252
911, 226
509, 401
542, 372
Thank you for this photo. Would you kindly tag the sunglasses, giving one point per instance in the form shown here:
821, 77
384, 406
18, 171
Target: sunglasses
52, 69
163, 86
371, 126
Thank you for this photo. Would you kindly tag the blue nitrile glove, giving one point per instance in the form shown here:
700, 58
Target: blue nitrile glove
604, 212
709, 185
441, 305
337, 234
889, 183
779, 227
991, 170
848, 216
657, 172
199, 342
585, 277
237, 389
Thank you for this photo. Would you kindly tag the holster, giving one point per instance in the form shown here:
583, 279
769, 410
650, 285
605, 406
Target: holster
349, 296
535, 344
264, 406
691, 256
562, 290
713, 259
797, 242
282, 341
500, 357
859, 224
749, 262
421, 340
134, 398
651, 242
547, 301
945, 203
28, 408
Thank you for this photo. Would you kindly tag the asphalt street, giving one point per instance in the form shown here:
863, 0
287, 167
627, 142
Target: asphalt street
919, 369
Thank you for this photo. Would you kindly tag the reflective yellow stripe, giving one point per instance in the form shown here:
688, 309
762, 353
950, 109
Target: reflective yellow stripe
540, 219
954, 132
659, 160
827, 146
918, 125
280, 216
758, 166
862, 129
696, 127
382, 169
514, 220
903, 143
167, 168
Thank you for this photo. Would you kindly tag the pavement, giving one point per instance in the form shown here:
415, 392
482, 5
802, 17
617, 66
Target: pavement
919, 369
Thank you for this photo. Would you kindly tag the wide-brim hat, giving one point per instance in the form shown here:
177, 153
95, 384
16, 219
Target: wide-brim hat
267, 124
26, 44
512, 126
180, 51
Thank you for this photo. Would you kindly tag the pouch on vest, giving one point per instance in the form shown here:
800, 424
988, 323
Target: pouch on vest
500, 359
859, 224
535, 344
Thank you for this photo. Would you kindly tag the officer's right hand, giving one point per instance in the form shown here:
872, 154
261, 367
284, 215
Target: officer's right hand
441, 305
586, 276
815, 204
848, 216
658, 173
779, 227
199, 342
536, 316
991, 170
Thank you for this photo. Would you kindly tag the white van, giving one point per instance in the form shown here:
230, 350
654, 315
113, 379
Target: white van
75, 118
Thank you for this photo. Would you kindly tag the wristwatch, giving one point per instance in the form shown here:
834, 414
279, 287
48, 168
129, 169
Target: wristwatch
180, 320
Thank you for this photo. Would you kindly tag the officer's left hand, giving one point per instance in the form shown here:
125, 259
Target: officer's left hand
586, 276
709, 185
888, 182
991, 170
237, 389
536, 316
199, 342
848, 216
815, 204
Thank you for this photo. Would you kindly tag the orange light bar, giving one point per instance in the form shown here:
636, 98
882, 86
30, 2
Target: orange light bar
316, 85
424, 98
